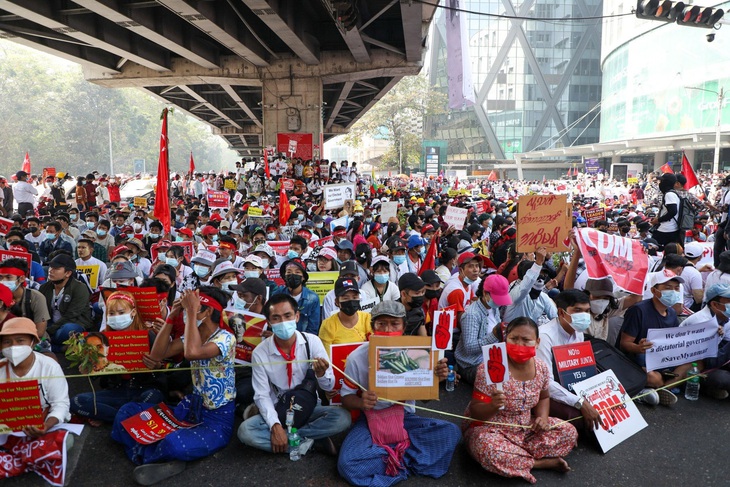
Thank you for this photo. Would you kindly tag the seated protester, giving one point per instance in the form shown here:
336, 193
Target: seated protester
117, 389
528, 298
26, 302
224, 276
154, 236
184, 280
139, 256
122, 273
458, 290
506, 450
122, 252
674, 263
17, 339
103, 238
397, 254
253, 268
717, 382
202, 266
211, 351
433, 293
295, 278
326, 260
167, 274
349, 270
84, 249
573, 319
348, 324
693, 284
272, 379
35, 234
227, 251
412, 296
67, 300
53, 241
491, 294
607, 312
37, 274
268, 259
656, 312
390, 442
448, 260
380, 286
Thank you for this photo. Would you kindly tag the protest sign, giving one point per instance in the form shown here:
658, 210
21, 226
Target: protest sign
44, 456
335, 195
92, 272
293, 147
11, 254
681, 345
49, 172
5, 226
248, 328
287, 184
288, 231
153, 424
20, 405
575, 362
229, 184
620, 419
542, 221
388, 210
338, 355
147, 303
218, 199
126, 348
340, 222
481, 207
253, 211
443, 332
139, 201
258, 221
320, 242
592, 215
280, 247
610, 255
322, 283
402, 368
275, 276
708, 254
456, 217
496, 367
237, 197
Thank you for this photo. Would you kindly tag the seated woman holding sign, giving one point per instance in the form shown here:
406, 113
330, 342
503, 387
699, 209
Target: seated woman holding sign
117, 388
211, 351
527, 438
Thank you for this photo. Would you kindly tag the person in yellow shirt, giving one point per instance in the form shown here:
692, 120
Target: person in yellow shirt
349, 324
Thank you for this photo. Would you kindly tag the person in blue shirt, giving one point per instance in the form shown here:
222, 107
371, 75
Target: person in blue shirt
53, 241
295, 278
528, 298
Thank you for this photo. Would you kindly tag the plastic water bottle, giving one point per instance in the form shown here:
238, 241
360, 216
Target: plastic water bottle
692, 387
451, 379
294, 441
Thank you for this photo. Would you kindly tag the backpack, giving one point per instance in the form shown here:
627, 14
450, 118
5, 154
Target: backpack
302, 399
687, 214
631, 376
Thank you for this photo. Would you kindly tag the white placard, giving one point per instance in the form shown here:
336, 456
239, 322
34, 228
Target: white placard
237, 197
388, 210
335, 195
496, 367
456, 217
620, 419
443, 332
681, 345
293, 146
340, 222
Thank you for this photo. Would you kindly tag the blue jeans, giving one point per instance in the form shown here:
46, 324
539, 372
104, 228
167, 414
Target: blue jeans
104, 405
324, 422
62, 335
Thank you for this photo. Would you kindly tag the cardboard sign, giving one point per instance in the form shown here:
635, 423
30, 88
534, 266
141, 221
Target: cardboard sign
218, 199
496, 367
620, 419
20, 405
148, 306
592, 215
11, 254
682, 345
575, 362
229, 184
248, 328
610, 255
92, 272
139, 201
126, 348
402, 368
443, 329
153, 424
287, 184
456, 217
388, 210
322, 283
5, 226
253, 211
335, 195
543, 221
338, 356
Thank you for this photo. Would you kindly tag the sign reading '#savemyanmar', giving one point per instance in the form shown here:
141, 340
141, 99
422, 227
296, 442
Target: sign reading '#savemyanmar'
621, 258
682, 345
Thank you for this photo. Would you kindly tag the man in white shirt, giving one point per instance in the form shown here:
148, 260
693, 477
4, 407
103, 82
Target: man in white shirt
85, 249
24, 193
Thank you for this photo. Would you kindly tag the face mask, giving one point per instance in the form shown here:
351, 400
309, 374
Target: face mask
73, 217
171, 261
178, 239
239, 303
290, 254
200, 270
417, 301
89, 224
224, 232
598, 306
520, 353
137, 227
580, 321
265, 262
358, 214
300, 217
293, 281
17, 353
381, 278
319, 225
271, 236
197, 322
101, 233
468, 281
350, 307
50, 236
226, 286
670, 298
214, 238
433, 293
119, 322
284, 330
399, 259
12, 285
388, 333
422, 254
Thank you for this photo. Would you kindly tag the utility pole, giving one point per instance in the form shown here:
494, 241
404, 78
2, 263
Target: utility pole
111, 156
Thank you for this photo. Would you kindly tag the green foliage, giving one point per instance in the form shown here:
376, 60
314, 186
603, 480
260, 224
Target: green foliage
80, 354
49, 110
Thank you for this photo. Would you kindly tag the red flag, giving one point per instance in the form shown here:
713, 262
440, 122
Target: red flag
666, 168
429, 262
162, 198
26, 163
192, 164
284, 208
266, 163
492, 176
456, 183
689, 173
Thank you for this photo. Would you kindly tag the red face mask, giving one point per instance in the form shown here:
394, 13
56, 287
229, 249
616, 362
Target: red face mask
520, 353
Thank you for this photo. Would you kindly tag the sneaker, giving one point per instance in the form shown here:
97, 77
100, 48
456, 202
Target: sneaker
648, 396
666, 398
717, 393
250, 411
157, 472
305, 445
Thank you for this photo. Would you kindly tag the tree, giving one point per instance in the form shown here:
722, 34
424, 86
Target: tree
398, 117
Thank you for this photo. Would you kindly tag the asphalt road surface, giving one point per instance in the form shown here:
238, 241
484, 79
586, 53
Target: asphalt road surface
683, 445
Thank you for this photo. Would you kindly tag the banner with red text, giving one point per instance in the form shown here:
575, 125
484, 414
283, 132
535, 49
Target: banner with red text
218, 199
153, 424
20, 405
623, 259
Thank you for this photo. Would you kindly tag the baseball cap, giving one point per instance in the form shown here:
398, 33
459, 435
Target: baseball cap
388, 308
344, 284
122, 270
430, 277
415, 241
63, 260
225, 224
349, 267
410, 281
297, 263
378, 259
599, 287
467, 257
209, 230
665, 276
498, 287
344, 245
185, 231
204, 257
265, 248
252, 285
719, 289
19, 326
327, 253
397, 244
120, 249
693, 250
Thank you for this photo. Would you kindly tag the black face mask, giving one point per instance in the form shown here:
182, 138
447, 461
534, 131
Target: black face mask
293, 281
417, 301
350, 307
433, 293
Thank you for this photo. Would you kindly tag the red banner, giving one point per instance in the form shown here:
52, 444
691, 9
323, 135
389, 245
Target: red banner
248, 329
153, 424
46, 456
606, 255
287, 184
594, 214
280, 246
126, 348
20, 405
148, 306
11, 254
218, 199
339, 353
303, 144
275, 276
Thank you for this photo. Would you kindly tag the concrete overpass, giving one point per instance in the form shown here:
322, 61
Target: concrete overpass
249, 68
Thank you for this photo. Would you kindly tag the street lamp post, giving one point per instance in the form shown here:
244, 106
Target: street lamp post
720, 97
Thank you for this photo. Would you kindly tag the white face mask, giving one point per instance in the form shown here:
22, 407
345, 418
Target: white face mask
598, 306
17, 353
119, 322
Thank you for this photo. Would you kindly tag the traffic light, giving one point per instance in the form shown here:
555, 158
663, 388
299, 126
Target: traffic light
704, 17
668, 11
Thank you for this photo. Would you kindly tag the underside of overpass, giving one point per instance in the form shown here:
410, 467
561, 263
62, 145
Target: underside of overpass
249, 68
